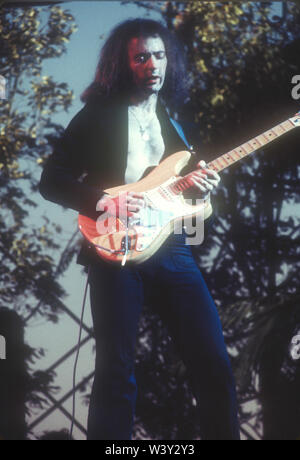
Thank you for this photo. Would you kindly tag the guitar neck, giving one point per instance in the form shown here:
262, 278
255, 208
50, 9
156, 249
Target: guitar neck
237, 154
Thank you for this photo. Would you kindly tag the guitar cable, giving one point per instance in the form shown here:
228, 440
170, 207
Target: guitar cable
77, 355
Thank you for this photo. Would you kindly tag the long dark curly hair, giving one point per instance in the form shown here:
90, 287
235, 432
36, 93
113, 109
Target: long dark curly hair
113, 77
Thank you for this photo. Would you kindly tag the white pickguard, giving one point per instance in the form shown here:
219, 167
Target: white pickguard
161, 207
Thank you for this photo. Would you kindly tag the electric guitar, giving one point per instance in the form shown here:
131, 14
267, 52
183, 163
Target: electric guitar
136, 239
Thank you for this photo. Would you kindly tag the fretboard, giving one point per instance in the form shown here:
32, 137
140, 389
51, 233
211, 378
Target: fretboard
237, 154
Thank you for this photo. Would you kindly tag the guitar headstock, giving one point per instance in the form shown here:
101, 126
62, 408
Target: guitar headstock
296, 119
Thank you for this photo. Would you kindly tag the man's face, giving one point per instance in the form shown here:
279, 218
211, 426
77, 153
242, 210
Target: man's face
148, 63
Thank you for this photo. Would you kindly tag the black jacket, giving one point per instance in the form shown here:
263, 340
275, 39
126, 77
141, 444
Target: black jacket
95, 144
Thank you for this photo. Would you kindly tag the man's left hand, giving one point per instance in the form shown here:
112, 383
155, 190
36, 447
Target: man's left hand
204, 179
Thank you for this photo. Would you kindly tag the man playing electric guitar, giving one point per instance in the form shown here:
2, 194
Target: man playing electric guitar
122, 130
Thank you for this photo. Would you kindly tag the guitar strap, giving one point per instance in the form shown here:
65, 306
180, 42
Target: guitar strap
180, 133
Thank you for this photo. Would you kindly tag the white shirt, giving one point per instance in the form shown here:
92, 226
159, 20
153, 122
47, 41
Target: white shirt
142, 153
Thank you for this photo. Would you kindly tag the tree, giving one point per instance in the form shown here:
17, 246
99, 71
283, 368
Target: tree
14, 378
28, 273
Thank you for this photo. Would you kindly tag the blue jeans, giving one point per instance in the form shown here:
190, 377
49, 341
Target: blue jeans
172, 283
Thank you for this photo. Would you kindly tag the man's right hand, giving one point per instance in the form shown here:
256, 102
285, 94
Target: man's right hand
122, 205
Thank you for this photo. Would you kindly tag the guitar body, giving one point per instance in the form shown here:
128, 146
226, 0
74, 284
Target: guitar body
118, 241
